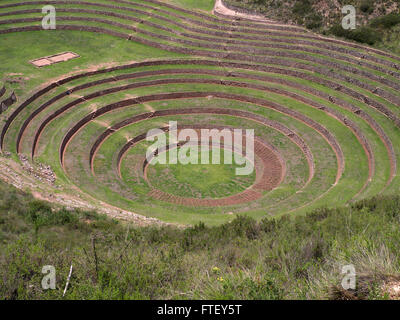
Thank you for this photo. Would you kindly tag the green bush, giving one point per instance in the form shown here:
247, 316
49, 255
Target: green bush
302, 7
387, 21
362, 34
41, 214
313, 21
367, 6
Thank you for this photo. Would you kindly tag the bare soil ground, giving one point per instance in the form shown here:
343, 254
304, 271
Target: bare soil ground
25, 178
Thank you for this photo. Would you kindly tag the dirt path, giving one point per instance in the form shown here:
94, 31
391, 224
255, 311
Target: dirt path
220, 8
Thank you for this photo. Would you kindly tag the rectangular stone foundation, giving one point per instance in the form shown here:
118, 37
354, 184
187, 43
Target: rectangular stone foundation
60, 57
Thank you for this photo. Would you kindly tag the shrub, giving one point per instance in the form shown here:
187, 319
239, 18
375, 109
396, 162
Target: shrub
302, 7
387, 21
367, 6
41, 214
363, 35
313, 21
245, 226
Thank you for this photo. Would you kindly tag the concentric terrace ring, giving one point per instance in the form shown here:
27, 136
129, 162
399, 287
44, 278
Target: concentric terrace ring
325, 111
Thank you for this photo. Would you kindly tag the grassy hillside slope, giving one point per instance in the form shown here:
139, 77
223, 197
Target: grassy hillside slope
377, 21
287, 258
327, 12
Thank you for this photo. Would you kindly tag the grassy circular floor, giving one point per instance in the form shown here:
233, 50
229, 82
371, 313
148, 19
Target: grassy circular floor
199, 180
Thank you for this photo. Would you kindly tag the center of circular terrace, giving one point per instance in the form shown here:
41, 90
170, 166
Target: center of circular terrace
201, 181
